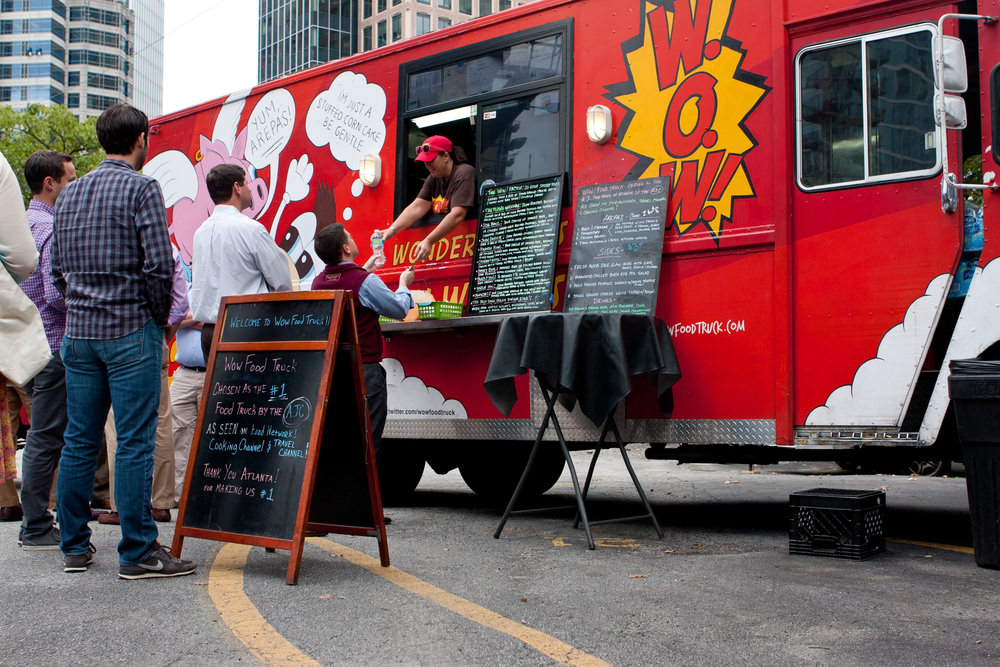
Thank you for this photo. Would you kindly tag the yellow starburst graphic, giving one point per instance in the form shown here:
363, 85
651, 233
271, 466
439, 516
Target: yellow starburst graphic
439, 204
687, 101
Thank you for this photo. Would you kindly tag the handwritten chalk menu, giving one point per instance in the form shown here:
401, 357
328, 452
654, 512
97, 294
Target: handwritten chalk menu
283, 405
514, 260
614, 263
254, 442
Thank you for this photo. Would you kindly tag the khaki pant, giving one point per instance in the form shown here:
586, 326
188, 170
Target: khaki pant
185, 395
163, 455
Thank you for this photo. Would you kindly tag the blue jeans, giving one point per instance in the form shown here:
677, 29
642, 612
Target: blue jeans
123, 373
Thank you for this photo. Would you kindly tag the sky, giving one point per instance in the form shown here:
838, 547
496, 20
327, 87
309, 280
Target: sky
209, 50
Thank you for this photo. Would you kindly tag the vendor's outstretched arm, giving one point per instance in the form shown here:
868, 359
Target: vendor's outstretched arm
455, 215
417, 209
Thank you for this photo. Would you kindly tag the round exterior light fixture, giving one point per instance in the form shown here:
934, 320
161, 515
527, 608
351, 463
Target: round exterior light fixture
599, 124
370, 170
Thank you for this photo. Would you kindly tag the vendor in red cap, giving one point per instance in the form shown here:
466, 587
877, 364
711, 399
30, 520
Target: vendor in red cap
449, 189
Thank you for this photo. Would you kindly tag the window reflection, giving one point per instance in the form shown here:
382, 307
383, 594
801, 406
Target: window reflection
852, 134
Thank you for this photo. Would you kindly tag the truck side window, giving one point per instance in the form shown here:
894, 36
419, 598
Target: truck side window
864, 110
504, 101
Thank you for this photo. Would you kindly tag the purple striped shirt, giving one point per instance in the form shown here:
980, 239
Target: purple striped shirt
38, 286
111, 254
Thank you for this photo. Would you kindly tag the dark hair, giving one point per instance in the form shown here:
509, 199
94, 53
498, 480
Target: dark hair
458, 155
119, 127
42, 164
220, 181
329, 243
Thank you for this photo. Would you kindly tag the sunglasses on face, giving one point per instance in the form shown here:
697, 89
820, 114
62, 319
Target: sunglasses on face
425, 148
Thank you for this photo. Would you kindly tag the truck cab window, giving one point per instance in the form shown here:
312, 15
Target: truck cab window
864, 110
503, 101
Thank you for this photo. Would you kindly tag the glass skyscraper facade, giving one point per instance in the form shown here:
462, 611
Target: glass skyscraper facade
299, 34
74, 52
148, 56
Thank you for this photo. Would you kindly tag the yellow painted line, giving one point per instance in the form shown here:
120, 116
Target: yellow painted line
225, 586
562, 653
933, 545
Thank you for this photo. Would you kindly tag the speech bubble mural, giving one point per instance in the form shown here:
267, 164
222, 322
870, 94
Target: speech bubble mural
349, 116
268, 130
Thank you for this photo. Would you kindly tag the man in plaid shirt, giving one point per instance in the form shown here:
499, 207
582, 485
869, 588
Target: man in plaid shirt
111, 260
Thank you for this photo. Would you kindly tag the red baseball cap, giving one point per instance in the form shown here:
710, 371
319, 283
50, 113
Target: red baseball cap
429, 150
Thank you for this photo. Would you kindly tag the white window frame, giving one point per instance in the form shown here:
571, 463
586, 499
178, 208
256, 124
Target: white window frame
939, 134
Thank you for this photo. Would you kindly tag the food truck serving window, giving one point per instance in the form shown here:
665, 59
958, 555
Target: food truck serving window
504, 101
864, 110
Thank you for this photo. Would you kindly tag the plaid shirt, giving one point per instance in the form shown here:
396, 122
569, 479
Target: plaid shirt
111, 255
38, 286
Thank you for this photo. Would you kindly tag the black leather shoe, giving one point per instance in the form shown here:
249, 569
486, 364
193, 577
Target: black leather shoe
12, 513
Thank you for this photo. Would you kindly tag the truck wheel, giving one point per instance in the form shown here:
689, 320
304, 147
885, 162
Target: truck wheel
400, 470
850, 465
933, 468
493, 472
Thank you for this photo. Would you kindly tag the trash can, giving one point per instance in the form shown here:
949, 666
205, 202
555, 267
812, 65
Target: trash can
974, 388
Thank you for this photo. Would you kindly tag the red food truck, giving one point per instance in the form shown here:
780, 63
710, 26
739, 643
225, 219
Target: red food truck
822, 262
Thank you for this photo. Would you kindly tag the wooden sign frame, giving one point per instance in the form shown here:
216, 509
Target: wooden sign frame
341, 338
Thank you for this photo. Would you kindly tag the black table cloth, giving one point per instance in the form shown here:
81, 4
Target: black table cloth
583, 356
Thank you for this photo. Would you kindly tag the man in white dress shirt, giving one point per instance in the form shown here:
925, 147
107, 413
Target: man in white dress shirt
232, 254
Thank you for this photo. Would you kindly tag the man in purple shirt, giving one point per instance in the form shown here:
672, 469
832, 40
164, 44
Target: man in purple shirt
47, 173
112, 262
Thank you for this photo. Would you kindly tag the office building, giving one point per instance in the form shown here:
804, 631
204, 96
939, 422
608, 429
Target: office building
296, 35
389, 21
148, 56
74, 52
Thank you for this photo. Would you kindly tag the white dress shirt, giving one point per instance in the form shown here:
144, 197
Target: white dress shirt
233, 255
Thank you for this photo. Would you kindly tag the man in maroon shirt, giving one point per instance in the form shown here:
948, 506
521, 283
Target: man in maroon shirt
372, 298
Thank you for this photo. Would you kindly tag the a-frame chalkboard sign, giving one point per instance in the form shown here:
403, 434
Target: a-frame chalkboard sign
283, 407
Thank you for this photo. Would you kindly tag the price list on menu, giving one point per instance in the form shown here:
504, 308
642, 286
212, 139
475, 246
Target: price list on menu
614, 263
514, 261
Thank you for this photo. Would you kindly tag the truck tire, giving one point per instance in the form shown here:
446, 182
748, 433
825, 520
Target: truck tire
400, 469
493, 471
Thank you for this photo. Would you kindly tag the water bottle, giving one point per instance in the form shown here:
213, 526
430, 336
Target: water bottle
378, 249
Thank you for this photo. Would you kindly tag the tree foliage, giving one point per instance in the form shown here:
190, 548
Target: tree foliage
48, 127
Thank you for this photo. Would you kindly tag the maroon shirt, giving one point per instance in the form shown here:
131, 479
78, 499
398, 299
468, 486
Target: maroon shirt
349, 276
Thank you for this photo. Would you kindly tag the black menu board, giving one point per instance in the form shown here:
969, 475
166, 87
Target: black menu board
514, 261
283, 408
614, 264
251, 457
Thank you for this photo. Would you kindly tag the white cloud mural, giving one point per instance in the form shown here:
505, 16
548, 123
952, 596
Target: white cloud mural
410, 398
881, 385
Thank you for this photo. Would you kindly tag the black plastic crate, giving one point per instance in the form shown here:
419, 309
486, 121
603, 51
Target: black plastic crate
839, 523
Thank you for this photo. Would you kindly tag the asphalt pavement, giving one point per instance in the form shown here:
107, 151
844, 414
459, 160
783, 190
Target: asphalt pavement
720, 588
